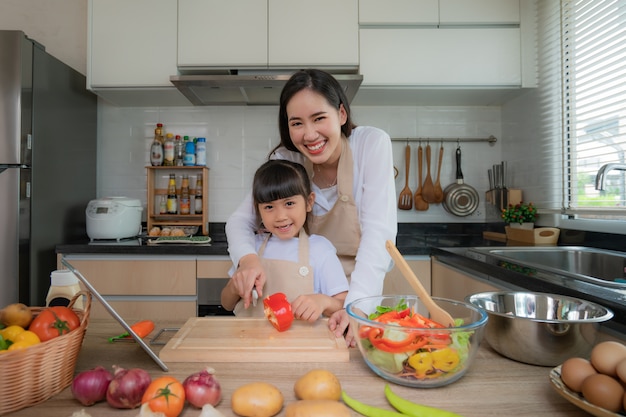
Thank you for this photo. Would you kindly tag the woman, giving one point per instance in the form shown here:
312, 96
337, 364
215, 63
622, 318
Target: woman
351, 169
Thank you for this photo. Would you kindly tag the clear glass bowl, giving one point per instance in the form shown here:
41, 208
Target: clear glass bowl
415, 356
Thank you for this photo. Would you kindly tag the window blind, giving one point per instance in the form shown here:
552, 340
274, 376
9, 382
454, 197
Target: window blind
593, 105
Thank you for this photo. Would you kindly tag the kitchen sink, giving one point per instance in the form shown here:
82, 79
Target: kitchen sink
600, 266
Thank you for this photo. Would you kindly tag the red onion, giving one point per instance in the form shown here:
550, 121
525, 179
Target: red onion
202, 388
127, 387
90, 387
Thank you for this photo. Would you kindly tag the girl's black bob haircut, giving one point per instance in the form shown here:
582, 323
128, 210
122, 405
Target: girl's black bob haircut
277, 179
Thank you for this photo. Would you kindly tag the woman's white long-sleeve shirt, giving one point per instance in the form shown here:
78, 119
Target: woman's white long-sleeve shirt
375, 197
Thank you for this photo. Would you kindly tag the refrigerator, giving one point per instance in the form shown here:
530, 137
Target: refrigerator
48, 128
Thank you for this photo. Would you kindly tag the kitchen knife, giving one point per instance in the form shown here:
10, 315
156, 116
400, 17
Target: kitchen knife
255, 297
497, 183
490, 192
505, 191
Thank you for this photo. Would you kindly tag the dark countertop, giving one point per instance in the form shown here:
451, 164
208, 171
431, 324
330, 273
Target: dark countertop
413, 239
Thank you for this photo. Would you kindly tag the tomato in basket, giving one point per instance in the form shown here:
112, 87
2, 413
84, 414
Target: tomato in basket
53, 322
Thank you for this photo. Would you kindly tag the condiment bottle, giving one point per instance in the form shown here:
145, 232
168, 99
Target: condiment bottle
172, 202
63, 286
184, 196
201, 151
179, 151
197, 208
168, 150
190, 154
156, 149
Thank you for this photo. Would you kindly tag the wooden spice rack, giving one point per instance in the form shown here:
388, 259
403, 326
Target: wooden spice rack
155, 219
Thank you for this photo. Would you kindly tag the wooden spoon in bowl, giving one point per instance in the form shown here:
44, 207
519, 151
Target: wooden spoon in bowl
437, 313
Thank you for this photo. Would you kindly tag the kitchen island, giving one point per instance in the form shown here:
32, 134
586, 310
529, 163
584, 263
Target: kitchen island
494, 386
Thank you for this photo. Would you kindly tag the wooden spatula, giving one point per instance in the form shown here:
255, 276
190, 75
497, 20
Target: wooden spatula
405, 201
438, 191
437, 313
420, 203
428, 190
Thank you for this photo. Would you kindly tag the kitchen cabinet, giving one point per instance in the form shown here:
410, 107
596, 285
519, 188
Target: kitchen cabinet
216, 34
131, 48
140, 286
446, 44
448, 282
439, 12
461, 57
395, 283
157, 178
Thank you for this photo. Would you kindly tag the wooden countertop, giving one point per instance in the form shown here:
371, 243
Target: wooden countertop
494, 386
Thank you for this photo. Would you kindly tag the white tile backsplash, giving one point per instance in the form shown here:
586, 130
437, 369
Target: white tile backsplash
239, 139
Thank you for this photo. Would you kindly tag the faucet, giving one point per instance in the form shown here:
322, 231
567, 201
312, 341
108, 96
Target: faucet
601, 176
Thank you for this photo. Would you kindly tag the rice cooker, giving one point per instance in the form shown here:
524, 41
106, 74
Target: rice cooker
113, 218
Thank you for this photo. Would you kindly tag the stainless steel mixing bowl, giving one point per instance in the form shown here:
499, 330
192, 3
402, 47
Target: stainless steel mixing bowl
539, 328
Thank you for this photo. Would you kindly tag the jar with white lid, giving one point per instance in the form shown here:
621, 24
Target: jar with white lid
63, 286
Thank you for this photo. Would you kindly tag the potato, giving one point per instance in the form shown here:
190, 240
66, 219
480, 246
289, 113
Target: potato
257, 399
317, 408
318, 384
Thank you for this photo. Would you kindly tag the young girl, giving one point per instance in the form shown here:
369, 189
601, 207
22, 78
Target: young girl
305, 268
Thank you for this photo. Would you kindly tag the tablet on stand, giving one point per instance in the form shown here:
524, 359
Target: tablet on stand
115, 315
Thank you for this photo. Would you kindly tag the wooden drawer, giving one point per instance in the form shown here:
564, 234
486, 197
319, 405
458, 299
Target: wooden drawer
140, 310
213, 268
140, 277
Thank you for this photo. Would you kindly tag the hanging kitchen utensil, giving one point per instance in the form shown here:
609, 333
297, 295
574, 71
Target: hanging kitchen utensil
437, 313
460, 199
420, 203
428, 190
405, 201
438, 191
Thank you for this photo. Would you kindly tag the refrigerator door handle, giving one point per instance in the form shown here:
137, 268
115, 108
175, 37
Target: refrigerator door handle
29, 141
28, 189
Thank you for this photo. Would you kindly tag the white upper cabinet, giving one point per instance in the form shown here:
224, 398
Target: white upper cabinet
476, 12
442, 43
132, 44
226, 34
438, 12
399, 12
441, 57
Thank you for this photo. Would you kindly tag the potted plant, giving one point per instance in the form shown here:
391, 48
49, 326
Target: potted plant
520, 215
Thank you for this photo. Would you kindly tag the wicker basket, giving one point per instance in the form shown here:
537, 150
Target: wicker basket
32, 375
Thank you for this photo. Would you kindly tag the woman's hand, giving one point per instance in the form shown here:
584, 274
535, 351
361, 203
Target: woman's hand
250, 274
339, 323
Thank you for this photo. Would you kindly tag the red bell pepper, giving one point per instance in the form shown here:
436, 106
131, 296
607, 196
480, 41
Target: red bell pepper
278, 311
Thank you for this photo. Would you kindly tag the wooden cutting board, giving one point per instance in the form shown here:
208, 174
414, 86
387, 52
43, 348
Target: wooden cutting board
232, 339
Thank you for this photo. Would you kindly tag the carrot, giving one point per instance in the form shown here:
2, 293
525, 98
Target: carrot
141, 328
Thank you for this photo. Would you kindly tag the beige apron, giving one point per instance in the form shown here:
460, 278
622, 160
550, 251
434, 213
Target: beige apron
289, 277
341, 224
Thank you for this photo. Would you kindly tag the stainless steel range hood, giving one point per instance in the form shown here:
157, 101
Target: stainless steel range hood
246, 89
